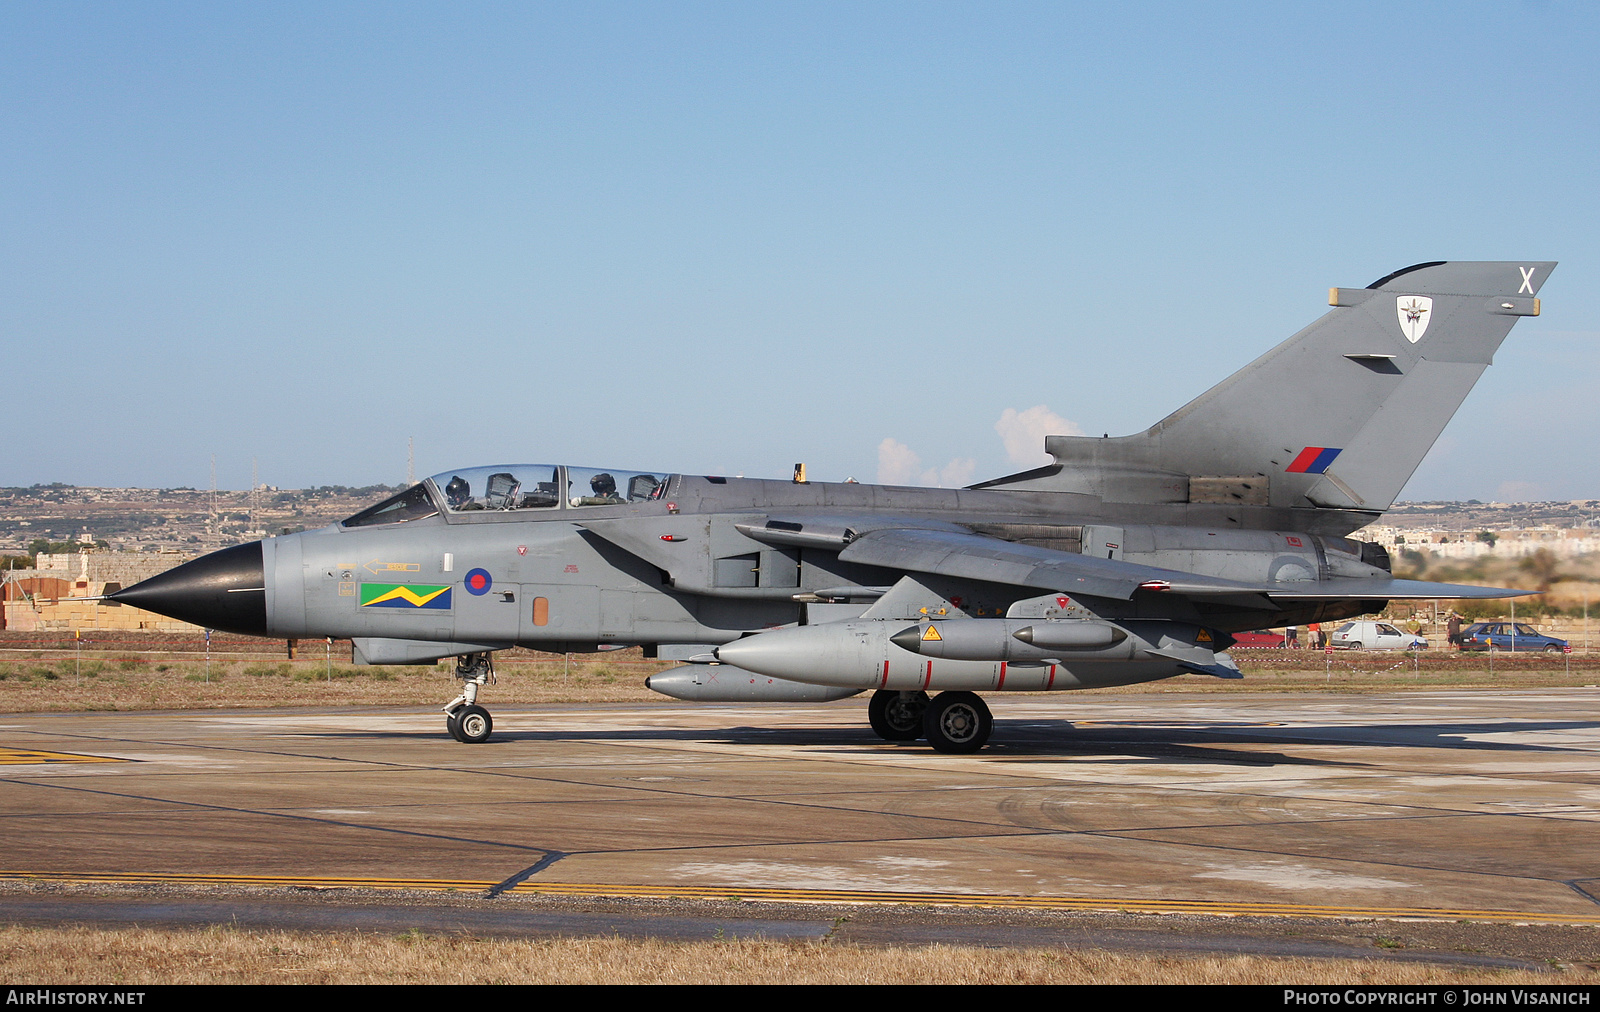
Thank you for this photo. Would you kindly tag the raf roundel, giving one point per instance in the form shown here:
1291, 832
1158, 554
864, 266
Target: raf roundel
478, 582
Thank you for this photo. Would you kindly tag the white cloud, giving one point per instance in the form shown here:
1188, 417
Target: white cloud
899, 464
1023, 433
955, 474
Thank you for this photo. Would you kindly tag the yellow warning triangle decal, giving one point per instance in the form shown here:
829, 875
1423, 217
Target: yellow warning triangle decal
932, 633
1204, 637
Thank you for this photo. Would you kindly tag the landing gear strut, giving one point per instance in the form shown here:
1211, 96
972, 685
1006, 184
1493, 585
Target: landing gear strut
957, 723
897, 716
465, 720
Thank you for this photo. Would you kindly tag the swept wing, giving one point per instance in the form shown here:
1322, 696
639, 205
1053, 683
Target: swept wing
977, 557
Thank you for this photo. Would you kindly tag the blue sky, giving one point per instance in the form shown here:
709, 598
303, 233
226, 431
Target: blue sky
730, 237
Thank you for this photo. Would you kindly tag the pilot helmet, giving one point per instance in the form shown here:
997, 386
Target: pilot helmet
458, 491
603, 484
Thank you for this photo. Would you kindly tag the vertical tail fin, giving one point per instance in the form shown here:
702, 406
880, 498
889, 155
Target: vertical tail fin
1337, 416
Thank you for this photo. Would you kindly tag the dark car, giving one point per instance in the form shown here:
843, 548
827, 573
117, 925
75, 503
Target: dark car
1518, 636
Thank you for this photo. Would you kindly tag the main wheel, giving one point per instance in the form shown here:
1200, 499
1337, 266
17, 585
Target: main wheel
957, 723
897, 716
474, 724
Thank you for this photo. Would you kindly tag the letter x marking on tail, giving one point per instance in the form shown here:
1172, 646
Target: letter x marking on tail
1527, 280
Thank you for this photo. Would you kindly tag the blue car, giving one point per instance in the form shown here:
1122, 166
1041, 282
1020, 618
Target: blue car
1509, 636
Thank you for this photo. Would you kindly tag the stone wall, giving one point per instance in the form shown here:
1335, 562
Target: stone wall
42, 615
85, 574
126, 568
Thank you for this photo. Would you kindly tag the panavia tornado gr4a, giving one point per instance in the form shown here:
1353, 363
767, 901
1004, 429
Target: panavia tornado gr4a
1126, 560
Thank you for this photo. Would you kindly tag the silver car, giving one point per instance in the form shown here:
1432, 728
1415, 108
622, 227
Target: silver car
1369, 635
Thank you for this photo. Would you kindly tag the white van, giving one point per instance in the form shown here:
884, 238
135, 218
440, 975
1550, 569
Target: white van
1375, 636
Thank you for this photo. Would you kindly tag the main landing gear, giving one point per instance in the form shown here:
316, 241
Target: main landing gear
955, 723
897, 716
466, 721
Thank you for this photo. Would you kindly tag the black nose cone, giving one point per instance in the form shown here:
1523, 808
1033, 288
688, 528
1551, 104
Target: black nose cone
225, 590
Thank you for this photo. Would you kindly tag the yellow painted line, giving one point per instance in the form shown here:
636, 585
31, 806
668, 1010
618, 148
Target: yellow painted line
34, 757
1121, 904
1219, 908
279, 881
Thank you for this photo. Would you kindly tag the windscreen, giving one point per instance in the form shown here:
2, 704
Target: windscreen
412, 504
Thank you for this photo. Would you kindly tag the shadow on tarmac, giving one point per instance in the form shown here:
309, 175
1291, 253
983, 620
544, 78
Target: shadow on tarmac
1040, 740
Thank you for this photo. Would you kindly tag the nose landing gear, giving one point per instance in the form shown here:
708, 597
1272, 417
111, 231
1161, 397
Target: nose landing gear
466, 721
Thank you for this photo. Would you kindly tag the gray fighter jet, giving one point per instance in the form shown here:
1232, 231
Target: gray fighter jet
1126, 560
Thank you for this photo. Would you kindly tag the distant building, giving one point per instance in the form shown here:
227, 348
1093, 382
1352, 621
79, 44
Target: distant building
44, 599
1507, 544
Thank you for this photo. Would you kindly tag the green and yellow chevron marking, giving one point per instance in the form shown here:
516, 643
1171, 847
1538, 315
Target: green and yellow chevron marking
401, 595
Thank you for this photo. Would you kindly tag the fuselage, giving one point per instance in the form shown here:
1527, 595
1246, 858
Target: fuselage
677, 569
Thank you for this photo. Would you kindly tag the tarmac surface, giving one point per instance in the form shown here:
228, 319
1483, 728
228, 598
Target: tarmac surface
1087, 818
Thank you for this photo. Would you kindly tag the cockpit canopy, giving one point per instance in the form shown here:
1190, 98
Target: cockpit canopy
503, 487
506, 487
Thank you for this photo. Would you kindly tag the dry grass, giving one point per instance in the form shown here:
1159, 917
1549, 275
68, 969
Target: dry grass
34, 681
1386, 671
229, 956
57, 681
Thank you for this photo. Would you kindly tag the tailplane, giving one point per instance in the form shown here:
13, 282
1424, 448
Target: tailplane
1337, 417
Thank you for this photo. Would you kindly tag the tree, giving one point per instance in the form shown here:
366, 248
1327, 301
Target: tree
48, 547
1543, 567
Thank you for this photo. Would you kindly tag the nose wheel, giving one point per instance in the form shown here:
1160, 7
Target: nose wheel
469, 725
466, 721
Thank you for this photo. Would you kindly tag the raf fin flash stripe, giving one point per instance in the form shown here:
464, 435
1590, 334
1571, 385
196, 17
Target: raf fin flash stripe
1313, 460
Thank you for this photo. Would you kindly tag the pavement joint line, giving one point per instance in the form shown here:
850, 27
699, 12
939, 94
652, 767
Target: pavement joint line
1002, 772
816, 896
989, 768
1149, 835
270, 813
634, 788
1577, 886
1424, 812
